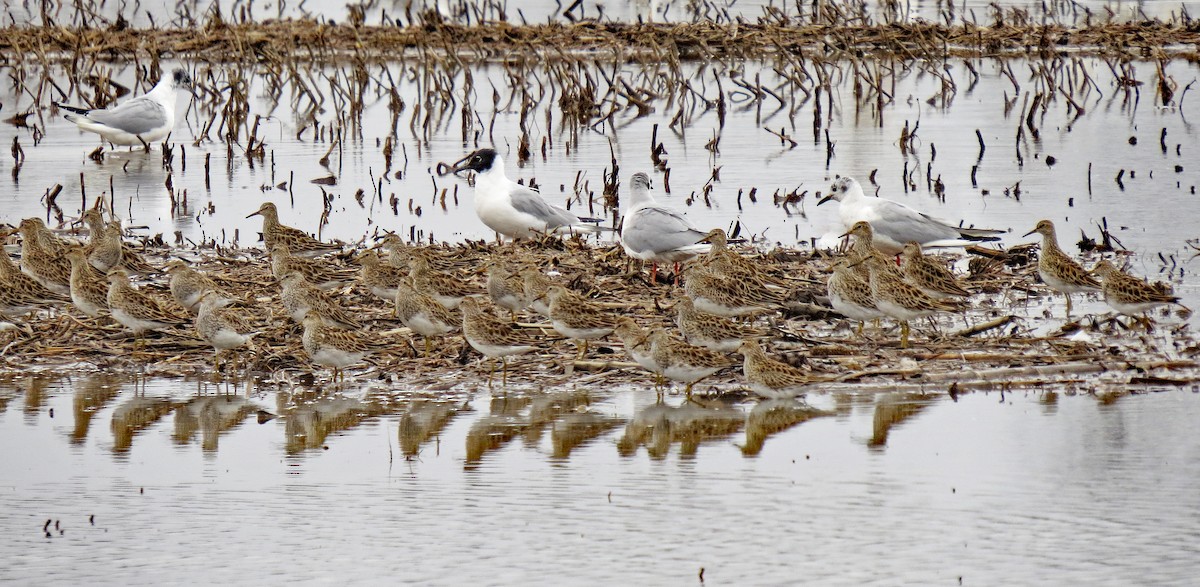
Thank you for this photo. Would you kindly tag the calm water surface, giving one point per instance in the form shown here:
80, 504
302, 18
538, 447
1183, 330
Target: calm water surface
1028, 487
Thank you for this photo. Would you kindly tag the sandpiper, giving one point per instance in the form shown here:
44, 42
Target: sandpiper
11, 275
726, 262
770, 378
898, 298
535, 284
188, 286
1059, 271
446, 289
726, 296
320, 274
1127, 294
505, 289
577, 318
300, 243
683, 362
493, 337
131, 260
850, 294
637, 345
300, 299
136, 310
930, 276
89, 289
710, 331
424, 315
103, 249
381, 279
51, 270
220, 326
333, 347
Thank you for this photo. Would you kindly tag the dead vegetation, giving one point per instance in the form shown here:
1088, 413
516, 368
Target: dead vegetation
994, 345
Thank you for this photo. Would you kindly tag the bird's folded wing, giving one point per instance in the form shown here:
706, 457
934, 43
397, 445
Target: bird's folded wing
527, 201
137, 116
659, 229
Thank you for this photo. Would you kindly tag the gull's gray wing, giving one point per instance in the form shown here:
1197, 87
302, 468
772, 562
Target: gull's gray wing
659, 229
902, 224
529, 202
137, 116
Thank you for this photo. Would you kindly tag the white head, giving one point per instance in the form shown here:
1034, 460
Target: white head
842, 188
639, 189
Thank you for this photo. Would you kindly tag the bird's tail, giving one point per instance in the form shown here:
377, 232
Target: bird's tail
980, 234
72, 109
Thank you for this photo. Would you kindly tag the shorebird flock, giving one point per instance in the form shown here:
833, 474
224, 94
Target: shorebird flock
723, 302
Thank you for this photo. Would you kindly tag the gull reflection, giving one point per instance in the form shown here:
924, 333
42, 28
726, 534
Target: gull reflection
893, 409
91, 395
776, 415
211, 415
659, 425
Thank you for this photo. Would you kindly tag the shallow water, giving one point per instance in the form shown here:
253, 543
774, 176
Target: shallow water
1025, 487
602, 485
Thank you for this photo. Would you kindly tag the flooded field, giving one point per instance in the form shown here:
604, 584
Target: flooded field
1010, 446
596, 485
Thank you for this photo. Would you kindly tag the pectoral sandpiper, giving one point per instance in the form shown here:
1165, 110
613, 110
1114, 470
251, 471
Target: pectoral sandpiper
220, 326
493, 337
446, 289
850, 294
930, 276
1058, 270
898, 298
683, 362
424, 315
535, 284
89, 289
50, 269
768, 377
637, 345
300, 299
726, 296
711, 331
300, 243
188, 286
136, 310
320, 274
505, 289
333, 347
577, 318
103, 249
380, 278
1127, 294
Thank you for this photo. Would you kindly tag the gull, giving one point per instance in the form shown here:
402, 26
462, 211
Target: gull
896, 224
512, 209
656, 233
139, 121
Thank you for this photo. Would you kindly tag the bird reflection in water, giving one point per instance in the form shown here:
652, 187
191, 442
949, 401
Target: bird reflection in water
210, 415
92, 394
773, 416
658, 425
893, 409
423, 421
311, 416
567, 415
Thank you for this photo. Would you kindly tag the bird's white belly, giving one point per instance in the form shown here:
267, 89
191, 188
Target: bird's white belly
135, 324
688, 373
226, 339
336, 358
499, 215
425, 327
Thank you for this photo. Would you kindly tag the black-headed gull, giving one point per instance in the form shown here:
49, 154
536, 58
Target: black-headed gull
512, 209
656, 233
140, 121
896, 224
